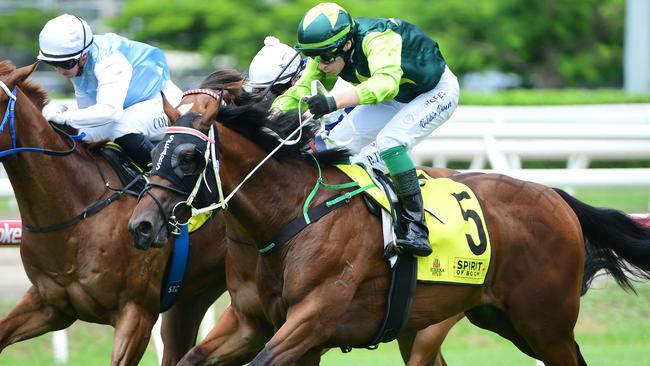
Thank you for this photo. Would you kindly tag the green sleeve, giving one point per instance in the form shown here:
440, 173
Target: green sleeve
289, 99
384, 54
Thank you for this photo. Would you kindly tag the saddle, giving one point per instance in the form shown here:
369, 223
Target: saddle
125, 168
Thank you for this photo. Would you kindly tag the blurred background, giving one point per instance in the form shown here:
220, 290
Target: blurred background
491, 44
552, 91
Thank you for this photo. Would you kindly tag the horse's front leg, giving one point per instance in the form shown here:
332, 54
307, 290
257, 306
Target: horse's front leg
132, 334
30, 318
308, 325
180, 325
423, 347
234, 340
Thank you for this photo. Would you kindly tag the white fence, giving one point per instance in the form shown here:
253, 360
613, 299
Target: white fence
506, 136
503, 137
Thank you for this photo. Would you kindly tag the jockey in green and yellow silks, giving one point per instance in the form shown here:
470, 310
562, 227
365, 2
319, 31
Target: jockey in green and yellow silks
403, 88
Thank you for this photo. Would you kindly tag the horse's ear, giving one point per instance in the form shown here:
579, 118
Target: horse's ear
203, 124
172, 113
208, 117
20, 74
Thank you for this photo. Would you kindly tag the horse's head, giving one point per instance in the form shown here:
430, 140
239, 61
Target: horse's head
183, 174
10, 79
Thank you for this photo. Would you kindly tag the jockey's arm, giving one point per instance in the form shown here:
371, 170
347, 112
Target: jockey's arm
384, 54
113, 74
290, 98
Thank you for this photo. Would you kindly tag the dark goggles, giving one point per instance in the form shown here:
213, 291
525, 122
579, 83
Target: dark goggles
66, 65
326, 56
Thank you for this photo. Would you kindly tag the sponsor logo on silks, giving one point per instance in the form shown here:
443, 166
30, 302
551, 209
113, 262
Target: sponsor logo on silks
469, 268
436, 269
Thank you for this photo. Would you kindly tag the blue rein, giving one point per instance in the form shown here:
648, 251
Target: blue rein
9, 117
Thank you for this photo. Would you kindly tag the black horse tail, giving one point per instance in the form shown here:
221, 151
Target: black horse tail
614, 242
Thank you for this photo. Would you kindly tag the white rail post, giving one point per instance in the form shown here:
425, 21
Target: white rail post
60, 346
208, 322
157, 339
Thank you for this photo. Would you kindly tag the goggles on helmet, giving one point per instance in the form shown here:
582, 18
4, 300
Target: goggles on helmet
66, 65
325, 56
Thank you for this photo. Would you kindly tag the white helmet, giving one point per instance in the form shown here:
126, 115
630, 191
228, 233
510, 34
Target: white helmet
269, 62
64, 38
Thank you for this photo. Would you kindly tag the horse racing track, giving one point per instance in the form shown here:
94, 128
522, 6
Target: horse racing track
13, 282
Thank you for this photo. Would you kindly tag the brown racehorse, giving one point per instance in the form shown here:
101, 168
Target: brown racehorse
243, 328
90, 270
327, 287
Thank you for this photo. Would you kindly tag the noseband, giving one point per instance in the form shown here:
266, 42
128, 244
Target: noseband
212, 141
172, 219
209, 156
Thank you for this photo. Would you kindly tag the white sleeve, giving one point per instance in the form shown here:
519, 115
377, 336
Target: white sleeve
83, 99
113, 74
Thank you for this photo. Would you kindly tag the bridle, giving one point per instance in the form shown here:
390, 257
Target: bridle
93, 208
211, 155
9, 118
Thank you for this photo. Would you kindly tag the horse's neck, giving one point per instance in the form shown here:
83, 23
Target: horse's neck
49, 189
272, 197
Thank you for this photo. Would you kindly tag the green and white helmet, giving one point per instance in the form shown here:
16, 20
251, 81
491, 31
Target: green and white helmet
324, 27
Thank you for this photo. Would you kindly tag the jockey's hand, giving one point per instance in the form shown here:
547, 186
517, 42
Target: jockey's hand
53, 112
320, 105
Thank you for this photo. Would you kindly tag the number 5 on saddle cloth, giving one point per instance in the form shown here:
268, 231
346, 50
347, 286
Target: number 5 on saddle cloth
457, 235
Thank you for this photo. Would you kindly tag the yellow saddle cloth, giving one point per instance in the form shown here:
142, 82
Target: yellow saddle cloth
457, 230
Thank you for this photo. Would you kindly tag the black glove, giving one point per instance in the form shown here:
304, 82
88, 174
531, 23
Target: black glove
320, 105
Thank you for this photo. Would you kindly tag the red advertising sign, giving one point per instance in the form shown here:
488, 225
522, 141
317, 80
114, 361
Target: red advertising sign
11, 231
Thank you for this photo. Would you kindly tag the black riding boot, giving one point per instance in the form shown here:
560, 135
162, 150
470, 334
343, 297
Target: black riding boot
414, 236
137, 147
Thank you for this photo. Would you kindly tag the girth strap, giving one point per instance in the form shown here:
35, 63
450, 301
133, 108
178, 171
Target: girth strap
400, 298
297, 224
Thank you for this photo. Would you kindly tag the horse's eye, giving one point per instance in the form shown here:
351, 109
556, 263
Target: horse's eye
187, 158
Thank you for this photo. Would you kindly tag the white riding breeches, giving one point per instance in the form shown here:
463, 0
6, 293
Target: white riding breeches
147, 118
370, 129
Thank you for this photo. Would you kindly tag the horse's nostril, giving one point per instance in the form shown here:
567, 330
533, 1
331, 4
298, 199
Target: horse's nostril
144, 228
142, 234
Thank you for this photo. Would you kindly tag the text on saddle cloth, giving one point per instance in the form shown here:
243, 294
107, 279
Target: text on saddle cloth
457, 229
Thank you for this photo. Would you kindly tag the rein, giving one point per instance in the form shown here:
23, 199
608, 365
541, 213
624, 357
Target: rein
92, 209
10, 117
70, 141
223, 203
210, 154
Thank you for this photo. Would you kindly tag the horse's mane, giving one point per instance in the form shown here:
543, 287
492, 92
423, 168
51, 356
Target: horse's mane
252, 121
217, 79
249, 117
220, 77
34, 92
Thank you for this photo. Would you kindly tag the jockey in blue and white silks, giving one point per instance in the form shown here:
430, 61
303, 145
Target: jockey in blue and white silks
117, 85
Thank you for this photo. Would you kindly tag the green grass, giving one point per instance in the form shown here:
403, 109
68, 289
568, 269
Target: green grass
627, 199
613, 329
551, 97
